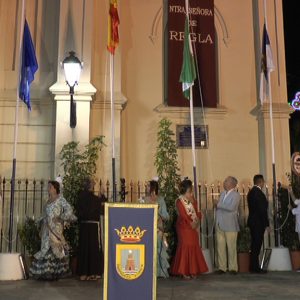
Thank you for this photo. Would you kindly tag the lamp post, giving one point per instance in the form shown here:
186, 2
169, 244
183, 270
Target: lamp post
72, 68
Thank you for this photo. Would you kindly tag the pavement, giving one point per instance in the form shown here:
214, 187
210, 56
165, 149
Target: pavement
276, 285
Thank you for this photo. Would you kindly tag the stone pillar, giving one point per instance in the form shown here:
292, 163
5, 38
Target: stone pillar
281, 110
75, 34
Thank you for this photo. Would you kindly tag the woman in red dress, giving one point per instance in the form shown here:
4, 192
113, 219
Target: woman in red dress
189, 261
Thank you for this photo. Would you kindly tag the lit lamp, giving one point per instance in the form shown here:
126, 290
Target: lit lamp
72, 68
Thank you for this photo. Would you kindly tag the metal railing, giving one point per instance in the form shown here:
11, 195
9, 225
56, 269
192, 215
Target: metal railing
31, 196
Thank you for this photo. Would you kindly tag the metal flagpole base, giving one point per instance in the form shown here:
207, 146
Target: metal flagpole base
10, 267
280, 260
207, 257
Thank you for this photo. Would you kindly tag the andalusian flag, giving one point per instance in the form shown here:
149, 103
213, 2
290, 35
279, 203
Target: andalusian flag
113, 24
188, 71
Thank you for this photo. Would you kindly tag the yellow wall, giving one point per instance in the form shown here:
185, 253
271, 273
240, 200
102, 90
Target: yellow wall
238, 142
35, 151
233, 128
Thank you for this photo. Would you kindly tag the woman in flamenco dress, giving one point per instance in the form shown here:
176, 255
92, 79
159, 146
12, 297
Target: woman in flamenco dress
189, 261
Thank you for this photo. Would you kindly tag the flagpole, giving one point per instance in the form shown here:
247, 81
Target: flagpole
112, 103
193, 144
274, 190
192, 119
14, 162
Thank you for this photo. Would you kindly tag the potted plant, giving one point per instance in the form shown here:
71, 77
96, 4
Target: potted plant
30, 238
289, 237
243, 248
166, 162
295, 254
78, 163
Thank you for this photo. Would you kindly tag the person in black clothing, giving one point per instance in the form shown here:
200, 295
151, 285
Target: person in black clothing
258, 220
90, 256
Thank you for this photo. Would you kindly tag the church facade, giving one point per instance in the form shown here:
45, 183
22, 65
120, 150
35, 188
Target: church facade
238, 127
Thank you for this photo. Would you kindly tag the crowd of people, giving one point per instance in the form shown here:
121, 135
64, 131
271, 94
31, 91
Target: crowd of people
52, 261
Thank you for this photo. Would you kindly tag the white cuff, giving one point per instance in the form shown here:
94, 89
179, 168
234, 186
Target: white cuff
297, 201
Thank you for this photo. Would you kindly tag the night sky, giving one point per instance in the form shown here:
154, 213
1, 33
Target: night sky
291, 11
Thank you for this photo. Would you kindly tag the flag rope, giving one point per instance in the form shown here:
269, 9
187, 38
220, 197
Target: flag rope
203, 114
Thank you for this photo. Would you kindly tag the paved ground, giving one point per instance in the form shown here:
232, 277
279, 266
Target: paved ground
270, 286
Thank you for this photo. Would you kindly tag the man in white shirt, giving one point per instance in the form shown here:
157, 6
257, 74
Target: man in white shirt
227, 226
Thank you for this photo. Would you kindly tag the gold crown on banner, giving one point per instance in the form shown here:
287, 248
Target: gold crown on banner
130, 235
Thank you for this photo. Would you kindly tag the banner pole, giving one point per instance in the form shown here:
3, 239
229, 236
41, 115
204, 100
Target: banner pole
193, 145
112, 103
14, 162
274, 189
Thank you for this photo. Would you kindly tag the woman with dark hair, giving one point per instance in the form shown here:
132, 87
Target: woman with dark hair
189, 261
52, 261
89, 209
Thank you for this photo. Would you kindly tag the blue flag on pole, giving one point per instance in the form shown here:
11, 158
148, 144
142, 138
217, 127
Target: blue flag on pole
267, 64
29, 66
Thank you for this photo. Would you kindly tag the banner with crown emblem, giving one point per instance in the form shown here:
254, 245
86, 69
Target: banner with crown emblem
130, 251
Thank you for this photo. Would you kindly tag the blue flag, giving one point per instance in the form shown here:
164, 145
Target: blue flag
29, 66
267, 65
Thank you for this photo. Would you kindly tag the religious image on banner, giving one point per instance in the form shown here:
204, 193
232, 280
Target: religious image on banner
130, 251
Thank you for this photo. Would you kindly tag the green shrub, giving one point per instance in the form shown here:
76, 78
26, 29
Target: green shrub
29, 236
78, 164
166, 162
244, 240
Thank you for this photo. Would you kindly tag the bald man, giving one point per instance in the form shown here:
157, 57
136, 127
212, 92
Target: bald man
227, 226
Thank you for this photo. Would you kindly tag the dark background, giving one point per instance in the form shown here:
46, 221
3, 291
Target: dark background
291, 13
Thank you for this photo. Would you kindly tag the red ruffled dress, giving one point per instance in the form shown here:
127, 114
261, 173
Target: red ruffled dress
189, 260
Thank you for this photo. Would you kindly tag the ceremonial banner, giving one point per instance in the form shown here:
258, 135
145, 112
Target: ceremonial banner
130, 251
202, 33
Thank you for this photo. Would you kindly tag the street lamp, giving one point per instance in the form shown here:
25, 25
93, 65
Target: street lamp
72, 68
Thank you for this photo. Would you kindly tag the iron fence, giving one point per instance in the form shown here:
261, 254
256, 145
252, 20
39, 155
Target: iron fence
31, 196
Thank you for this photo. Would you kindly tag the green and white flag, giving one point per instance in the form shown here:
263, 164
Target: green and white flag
188, 71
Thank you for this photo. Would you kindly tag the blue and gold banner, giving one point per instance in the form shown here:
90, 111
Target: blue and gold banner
130, 251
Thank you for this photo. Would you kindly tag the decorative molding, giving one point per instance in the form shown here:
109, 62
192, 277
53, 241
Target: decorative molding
28, 143
103, 101
154, 28
38, 98
218, 16
223, 26
29, 161
184, 112
28, 125
83, 92
280, 111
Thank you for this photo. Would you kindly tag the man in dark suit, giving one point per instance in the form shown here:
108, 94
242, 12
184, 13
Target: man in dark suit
258, 220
